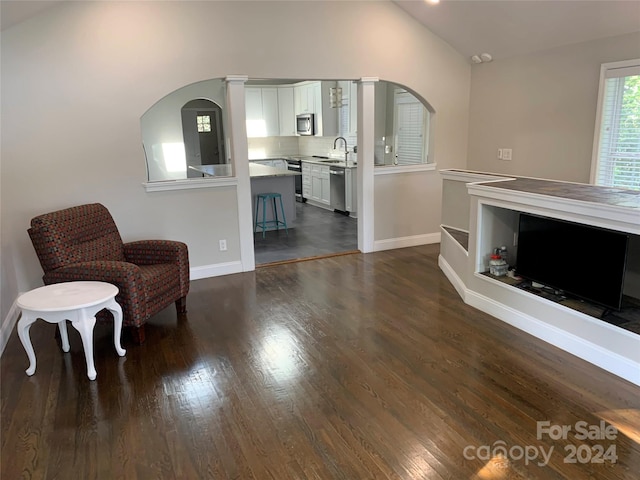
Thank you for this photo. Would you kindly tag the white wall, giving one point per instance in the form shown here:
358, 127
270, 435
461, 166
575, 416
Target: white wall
543, 106
77, 79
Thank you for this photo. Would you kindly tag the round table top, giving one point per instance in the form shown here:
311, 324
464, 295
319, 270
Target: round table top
66, 296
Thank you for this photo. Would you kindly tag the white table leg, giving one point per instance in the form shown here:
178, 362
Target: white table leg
84, 324
26, 320
62, 326
116, 310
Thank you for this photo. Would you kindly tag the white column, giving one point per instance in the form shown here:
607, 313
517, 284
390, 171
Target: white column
240, 161
366, 144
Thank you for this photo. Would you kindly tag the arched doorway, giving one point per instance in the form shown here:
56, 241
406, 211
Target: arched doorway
203, 134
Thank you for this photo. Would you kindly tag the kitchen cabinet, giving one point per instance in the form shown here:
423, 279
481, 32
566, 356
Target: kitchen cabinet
313, 97
304, 97
269, 111
286, 112
316, 184
253, 110
261, 107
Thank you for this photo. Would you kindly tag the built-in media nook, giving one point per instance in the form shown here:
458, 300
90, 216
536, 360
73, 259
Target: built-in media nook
573, 252
579, 266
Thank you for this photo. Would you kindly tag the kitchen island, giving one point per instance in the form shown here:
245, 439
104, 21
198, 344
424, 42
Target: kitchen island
264, 179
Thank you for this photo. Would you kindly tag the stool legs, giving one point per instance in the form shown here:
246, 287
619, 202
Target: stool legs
255, 223
275, 213
284, 218
263, 199
264, 217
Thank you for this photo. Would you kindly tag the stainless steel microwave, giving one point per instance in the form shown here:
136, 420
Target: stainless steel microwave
305, 124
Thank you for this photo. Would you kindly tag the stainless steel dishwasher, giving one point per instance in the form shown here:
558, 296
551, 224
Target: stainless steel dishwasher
337, 188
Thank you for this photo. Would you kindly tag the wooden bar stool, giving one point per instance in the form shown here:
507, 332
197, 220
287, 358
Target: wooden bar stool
264, 223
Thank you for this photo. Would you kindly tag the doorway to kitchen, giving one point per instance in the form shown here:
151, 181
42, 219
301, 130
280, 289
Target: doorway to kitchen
318, 232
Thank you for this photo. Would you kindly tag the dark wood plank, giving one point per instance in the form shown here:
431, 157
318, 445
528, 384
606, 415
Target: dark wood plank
357, 366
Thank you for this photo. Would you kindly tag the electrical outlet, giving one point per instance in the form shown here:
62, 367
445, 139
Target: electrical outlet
506, 154
223, 245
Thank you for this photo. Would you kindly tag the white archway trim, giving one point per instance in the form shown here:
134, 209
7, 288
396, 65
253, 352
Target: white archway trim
366, 142
240, 160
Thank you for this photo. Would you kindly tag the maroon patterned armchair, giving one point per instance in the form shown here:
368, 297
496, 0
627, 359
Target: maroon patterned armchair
83, 243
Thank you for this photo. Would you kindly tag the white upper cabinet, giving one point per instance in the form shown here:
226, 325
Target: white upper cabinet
270, 111
304, 97
286, 112
256, 121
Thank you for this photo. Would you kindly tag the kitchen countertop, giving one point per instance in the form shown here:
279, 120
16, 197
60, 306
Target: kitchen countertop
255, 171
329, 162
264, 171
223, 170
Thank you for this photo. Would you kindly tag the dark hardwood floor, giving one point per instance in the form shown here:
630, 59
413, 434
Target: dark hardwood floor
351, 367
317, 232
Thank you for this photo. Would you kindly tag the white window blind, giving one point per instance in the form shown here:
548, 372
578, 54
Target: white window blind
410, 129
617, 143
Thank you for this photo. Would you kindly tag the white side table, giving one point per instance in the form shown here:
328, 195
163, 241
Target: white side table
75, 301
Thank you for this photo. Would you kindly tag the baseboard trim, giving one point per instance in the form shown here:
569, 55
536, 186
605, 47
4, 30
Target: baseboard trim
215, 270
7, 325
403, 242
453, 277
601, 357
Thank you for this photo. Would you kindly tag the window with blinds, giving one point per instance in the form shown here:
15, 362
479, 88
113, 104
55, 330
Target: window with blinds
617, 142
410, 126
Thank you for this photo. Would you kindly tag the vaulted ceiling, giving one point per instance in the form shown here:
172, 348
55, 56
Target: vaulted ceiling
505, 28
502, 28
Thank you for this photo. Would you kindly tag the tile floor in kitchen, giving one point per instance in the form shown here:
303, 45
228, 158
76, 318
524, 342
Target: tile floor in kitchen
317, 232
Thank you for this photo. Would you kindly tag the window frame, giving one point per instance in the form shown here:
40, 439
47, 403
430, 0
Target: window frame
605, 68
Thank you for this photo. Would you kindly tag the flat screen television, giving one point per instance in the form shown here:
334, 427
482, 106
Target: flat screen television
581, 260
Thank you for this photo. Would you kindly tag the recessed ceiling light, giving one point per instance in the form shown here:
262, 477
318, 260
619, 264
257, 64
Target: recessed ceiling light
433, 2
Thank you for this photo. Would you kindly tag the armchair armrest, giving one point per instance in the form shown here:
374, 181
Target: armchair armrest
150, 252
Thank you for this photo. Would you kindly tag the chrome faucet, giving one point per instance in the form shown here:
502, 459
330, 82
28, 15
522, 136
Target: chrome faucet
346, 152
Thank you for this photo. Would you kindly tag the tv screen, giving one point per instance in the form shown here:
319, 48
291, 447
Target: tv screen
584, 261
